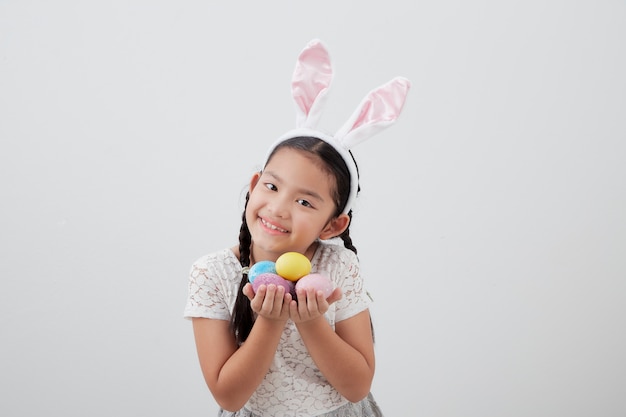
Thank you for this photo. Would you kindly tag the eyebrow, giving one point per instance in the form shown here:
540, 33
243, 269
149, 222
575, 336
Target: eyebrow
304, 191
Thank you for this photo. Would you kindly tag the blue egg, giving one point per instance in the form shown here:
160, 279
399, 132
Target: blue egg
261, 267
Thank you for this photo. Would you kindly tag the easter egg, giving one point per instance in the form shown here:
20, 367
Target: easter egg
318, 282
261, 267
270, 278
292, 265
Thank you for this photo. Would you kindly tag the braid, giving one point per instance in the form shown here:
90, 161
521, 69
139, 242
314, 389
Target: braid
347, 242
243, 318
345, 236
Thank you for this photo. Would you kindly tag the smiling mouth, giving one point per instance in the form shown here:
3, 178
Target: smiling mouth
272, 227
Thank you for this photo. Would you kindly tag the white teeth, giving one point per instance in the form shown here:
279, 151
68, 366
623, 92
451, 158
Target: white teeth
271, 226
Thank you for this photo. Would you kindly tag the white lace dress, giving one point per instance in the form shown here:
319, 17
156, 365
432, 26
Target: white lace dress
293, 385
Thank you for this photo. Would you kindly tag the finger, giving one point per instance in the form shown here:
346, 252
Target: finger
279, 299
301, 305
268, 302
311, 302
322, 304
294, 314
287, 300
286, 305
248, 291
335, 296
256, 303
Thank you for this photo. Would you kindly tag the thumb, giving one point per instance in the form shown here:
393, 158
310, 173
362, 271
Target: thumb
335, 295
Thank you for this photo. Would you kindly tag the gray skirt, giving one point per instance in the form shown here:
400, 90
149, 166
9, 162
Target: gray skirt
367, 407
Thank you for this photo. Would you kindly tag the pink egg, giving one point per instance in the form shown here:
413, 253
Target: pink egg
318, 282
270, 278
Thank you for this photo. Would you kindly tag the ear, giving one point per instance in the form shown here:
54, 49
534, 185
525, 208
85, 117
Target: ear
335, 227
254, 180
378, 110
310, 83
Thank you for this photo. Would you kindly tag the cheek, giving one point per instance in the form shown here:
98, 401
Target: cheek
311, 224
251, 210
256, 201
251, 206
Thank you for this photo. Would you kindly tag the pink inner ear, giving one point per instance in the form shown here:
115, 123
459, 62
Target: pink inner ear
383, 104
312, 75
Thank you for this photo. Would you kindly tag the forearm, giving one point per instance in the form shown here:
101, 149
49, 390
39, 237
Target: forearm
347, 369
244, 371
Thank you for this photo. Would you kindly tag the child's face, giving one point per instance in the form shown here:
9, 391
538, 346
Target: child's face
290, 205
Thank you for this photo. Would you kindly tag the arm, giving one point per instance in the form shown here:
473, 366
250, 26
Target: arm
346, 355
233, 373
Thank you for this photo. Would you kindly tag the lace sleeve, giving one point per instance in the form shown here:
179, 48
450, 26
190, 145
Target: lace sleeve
213, 282
343, 266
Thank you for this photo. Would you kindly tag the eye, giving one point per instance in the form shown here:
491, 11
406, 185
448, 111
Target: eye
305, 203
270, 186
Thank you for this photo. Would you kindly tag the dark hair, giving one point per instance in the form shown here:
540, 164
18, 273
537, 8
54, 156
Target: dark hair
330, 161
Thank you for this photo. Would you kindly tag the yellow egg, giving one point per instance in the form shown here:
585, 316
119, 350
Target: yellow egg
292, 266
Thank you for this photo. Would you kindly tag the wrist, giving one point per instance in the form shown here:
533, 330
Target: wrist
270, 323
313, 324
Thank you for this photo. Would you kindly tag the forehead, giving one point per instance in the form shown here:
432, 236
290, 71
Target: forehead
300, 159
298, 166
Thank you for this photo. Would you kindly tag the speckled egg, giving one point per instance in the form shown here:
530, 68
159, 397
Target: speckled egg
261, 267
318, 282
270, 278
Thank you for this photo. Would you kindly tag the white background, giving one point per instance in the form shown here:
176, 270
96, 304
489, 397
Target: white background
491, 226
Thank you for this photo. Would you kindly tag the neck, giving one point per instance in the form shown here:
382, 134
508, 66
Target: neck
309, 253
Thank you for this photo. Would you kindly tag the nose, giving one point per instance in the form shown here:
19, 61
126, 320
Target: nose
279, 206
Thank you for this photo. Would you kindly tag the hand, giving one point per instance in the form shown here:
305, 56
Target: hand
270, 301
311, 304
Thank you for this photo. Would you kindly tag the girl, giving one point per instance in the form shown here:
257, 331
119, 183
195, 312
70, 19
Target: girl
268, 353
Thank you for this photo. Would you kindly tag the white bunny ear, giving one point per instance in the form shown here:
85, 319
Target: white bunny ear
379, 109
309, 86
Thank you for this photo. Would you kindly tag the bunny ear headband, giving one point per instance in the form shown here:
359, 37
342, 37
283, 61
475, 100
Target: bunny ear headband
310, 82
